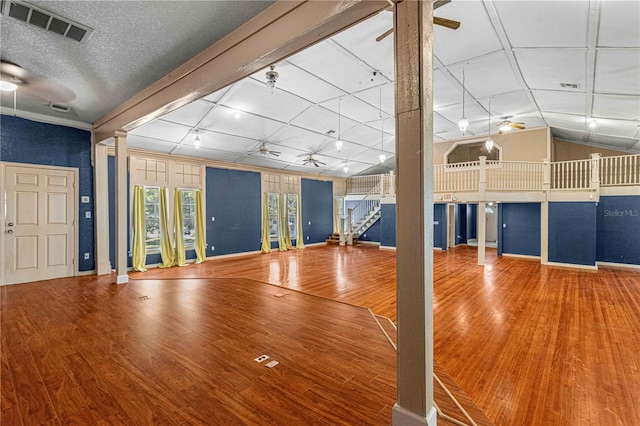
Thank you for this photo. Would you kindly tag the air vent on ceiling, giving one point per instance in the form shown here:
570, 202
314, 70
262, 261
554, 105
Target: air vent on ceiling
46, 20
59, 107
330, 132
570, 85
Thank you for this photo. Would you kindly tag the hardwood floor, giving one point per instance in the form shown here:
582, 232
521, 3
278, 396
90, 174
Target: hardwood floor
530, 345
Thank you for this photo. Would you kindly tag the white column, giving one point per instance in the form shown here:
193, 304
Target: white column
544, 213
482, 214
121, 208
414, 218
101, 208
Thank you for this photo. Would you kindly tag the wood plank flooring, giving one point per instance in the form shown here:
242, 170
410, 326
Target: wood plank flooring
530, 344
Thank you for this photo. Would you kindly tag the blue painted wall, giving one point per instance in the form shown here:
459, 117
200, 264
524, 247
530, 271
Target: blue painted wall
618, 230
388, 225
440, 226
572, 236
372, 234
519, 228
233, 198
31, 142
461, 224
472, 221
317, 208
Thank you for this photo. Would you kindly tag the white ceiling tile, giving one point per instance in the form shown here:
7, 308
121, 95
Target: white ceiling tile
355, 109
570, 135
472, 111
372, 97
612, 142
365, 135
216, 96
619, 24
321, 120
562, 102
474, 38
349, 150
371, 156
490, 75
444, 91
388, 125
612, 106
618, 128
295, 80
565, 121
361, 40
547, 68
222, 142
545, 23
264, 162
250, 96
162, 130
234, 122
142, 142
618, 71
301, 139
287, 154
206, 153
441, 124
514, 104
189, 115
354, 167
338, 67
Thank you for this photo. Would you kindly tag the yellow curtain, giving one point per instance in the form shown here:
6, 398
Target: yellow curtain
139, 251
282, 238
285, 220
336, 226
266, 239
178, 228
201, 250
300, 238
166, 246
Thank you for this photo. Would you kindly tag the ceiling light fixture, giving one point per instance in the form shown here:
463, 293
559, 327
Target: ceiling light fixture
272, 76
381, 157
505, 126
7, 86
593, 124
463, 123
339, 142
346, 167
489, 143
197, 143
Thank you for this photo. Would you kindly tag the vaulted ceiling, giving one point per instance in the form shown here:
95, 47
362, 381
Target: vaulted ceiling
562, 64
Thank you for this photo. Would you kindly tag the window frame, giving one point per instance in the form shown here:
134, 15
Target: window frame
153, 249
190, 243
293, 231
271, 215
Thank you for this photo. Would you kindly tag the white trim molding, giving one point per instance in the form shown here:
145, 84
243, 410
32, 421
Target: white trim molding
573, 265
390, 248
618, 265
403, 417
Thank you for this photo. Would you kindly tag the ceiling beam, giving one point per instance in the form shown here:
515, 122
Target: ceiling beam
279, 31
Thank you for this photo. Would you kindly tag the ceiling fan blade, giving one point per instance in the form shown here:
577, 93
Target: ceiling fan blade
454, 25
517, 126
320, 162
440, 3
274, 153
384, 34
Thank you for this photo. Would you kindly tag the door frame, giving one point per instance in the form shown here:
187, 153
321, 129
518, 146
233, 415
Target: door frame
3, 200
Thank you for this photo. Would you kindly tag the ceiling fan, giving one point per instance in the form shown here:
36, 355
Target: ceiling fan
311, 160
263, 150
448, 23
31, 85
505, 124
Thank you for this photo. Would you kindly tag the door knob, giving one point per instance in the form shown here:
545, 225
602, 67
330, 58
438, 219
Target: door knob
10, 231
10, 224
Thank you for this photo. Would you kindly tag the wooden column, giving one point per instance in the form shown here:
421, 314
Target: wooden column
544, 213
101, 208
121, 207
414, 220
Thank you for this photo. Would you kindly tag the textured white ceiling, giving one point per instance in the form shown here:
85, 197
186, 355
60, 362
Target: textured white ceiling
516, 53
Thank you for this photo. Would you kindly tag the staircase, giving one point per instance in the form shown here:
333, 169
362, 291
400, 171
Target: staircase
335, 239
359, 219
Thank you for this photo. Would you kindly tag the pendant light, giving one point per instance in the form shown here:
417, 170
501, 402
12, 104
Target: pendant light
382, 157
196, 143
346, 167
489, 143
272, 76
339, 143
463, 123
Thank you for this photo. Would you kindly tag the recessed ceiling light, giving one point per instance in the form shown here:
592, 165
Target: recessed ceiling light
7, 86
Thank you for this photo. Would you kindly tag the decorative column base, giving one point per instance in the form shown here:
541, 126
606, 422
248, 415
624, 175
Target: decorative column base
402, 417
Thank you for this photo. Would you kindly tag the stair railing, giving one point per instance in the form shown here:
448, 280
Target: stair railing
360, 212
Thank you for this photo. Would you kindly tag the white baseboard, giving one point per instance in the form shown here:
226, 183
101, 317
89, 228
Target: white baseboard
227, 256
387, 248
85, 273
438, 248
618, 265
315, 244
402, 417
122, 279
573, 265
522, 256
369, 243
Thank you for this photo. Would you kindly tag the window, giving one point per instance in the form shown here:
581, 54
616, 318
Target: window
468, 152
292, 215
152, 217
272, 209
189, 217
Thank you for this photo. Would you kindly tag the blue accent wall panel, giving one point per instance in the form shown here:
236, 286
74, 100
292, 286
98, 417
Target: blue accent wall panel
461, 224
373, 233
317, 208
472, 221
572, 233
519, 228
618, 230
440, 226
388, 225
233, 198
31, 142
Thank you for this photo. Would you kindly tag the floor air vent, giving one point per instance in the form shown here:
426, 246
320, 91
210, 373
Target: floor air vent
48, 21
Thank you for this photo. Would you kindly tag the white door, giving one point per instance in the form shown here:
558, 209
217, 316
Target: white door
39, 233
